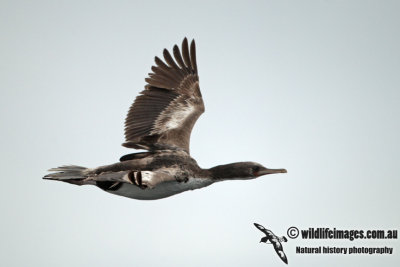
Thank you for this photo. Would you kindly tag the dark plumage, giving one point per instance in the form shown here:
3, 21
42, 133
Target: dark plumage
161, 120
163, 116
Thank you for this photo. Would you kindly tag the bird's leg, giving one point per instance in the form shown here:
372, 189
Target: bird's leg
136, 178
149, 179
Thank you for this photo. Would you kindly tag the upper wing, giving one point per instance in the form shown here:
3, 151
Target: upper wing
163, 115
261, 228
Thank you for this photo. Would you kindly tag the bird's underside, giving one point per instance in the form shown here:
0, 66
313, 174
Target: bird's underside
148, 175
160, 121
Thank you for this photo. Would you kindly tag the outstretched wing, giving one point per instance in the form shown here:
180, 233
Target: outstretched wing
163, 115
279, 250
262, 229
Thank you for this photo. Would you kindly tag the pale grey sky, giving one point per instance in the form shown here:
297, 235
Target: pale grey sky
310, 86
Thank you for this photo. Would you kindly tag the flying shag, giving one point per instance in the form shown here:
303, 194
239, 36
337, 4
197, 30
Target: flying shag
160, 121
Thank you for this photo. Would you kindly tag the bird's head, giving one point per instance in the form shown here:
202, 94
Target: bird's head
243, 170
264, 239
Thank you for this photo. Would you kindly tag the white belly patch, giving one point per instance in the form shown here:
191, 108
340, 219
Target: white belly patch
161, 190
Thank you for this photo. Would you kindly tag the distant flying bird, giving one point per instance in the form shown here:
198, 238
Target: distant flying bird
274, 240
160, 121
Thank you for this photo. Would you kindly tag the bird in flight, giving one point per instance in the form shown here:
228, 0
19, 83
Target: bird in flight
160, 121
274, 240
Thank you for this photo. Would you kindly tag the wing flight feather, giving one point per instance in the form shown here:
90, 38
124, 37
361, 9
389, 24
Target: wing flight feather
163, 115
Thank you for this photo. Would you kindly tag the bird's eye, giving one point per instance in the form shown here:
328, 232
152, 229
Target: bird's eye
256, 169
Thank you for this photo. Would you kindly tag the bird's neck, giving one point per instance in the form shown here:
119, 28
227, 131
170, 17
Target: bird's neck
224, 172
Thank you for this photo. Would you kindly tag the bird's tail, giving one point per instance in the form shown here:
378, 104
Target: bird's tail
70, 174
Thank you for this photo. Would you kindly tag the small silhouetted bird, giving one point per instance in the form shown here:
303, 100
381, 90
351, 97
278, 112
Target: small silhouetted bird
274, 240
160, 121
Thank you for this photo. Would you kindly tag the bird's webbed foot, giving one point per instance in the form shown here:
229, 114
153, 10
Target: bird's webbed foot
142, 179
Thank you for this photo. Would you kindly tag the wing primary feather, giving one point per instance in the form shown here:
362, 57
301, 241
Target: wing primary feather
178, 57
166, 74
168, 58
185, 54
193, 55
173, 79
154, 83
165, 68
161, 64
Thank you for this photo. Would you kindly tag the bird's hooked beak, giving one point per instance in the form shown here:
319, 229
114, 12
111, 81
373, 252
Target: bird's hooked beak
265, 171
